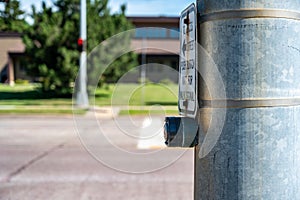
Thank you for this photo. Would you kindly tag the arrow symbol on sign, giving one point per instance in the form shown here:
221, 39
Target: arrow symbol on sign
183, 47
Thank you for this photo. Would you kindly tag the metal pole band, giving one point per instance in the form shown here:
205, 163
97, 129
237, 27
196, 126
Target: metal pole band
249, 13
249, 103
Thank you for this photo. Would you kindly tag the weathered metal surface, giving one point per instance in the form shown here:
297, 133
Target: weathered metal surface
257, 58
209, 6
257, 157
250, 13
258, 153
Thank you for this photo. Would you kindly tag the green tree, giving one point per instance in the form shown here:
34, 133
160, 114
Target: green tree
51, 41
102, 25
51, 45
12, 17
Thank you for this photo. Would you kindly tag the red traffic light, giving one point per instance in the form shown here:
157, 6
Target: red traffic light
81, 45
80, 42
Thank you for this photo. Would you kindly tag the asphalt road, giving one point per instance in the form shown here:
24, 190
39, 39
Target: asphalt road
42, 157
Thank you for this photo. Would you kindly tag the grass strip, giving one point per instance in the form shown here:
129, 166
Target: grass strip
148, 112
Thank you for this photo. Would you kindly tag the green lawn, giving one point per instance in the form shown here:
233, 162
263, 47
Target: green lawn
148, 111
28, 99
134, 94
24, 95
156, 99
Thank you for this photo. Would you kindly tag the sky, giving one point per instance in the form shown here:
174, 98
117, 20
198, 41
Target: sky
134, 7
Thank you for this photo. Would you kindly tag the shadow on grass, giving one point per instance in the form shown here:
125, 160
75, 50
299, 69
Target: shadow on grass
102, 95
32, 95
162, 103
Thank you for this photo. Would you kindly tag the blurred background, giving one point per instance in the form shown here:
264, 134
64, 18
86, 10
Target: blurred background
47, 140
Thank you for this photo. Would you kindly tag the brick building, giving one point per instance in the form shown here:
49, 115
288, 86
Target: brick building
11, 54
162, 35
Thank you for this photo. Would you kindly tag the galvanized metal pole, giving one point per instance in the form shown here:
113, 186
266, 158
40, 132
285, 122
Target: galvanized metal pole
82, 96
256, 47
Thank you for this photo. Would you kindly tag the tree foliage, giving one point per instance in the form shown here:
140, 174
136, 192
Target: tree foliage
12, 17
100, 29
51, 45
51, 41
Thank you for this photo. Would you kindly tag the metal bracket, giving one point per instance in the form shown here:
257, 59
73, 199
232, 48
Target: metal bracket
181, 132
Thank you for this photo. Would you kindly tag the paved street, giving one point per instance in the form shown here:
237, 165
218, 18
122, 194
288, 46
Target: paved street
42, 157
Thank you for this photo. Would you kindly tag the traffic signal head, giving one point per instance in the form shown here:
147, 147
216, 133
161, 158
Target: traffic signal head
80, 45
